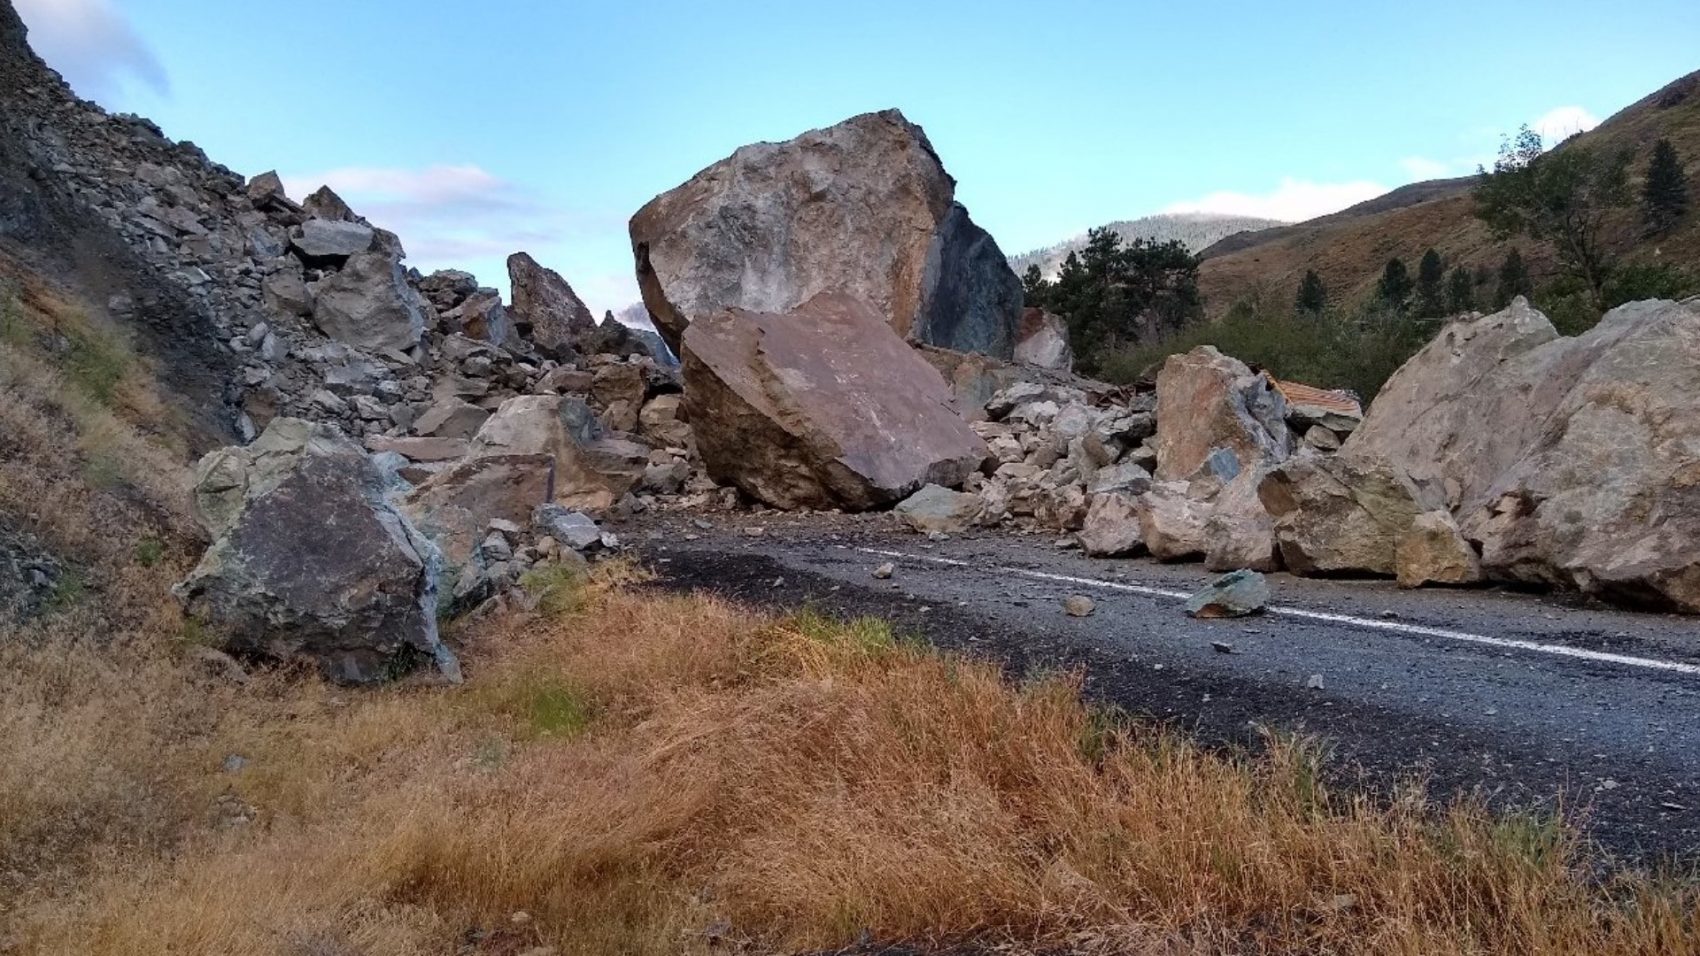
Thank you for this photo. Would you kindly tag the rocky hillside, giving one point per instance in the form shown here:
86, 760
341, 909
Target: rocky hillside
1196, 230
1348, 249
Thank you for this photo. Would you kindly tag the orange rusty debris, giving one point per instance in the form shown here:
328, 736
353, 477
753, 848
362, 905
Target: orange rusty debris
1331, 400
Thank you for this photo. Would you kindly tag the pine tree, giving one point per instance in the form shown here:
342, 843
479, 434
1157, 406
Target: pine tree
1568, 198
1513, 280
1395, 288
1431, 297
1664, 197
1036, 291
1313, 296
1460, 292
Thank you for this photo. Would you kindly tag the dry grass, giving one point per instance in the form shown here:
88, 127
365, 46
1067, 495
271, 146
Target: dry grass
637, 769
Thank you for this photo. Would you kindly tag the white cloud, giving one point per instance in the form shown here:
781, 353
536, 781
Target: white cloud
1295, 200
465, 217
445, 215
1421, 167
1558, 124
92, 45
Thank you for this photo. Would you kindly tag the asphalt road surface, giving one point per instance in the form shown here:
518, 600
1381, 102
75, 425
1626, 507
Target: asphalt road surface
1535, 701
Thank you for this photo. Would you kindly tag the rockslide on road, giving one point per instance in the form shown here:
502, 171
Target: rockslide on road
1536, 701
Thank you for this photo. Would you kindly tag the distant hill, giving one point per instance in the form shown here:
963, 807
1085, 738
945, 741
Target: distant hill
1197, 230
1349, 249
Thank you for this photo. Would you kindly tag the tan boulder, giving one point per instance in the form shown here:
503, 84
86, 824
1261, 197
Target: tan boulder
1216, 416
1567, 461
1171, 521
1433, 551
1344, 514
1112, 527
1239, 533
1042, 340
863, 207
823, 407
592, 471
659, 422
454, 507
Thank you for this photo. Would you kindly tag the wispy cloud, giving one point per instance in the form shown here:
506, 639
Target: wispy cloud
1294, 200
1422, 167
92, 45
445, 215
1557, 125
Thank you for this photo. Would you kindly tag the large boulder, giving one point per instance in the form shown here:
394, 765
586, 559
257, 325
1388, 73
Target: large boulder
1112, 528
938, 510
1042, 340
1566, 461
310, 558
368, 304
1171, 521
1240, 534
864, 207
1344, 514
545, 308
821, 407
592, 469
1470, 404
1215, 416
455, 506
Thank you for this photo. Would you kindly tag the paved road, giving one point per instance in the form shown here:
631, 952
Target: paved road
1533, 700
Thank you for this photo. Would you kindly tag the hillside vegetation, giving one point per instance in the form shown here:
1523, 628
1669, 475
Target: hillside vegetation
1348, 250
1196, 231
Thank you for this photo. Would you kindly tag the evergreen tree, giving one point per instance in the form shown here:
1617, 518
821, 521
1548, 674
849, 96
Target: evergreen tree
1431, 296
1395, 287
1460, 292
1664, 197
1111, 294
1313, 296
1566, 197
1035, 289
1513, 280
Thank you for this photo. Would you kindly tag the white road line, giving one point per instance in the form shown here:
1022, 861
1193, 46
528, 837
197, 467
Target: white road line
1558, 650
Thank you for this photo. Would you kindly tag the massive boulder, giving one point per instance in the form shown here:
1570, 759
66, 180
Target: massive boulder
864, 207
310, 558
1567, 461
368, 304
1471, 403
1344, 514
545, 308
1217, 417
821, 407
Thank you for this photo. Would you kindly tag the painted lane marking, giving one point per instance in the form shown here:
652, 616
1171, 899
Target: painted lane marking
1557, 650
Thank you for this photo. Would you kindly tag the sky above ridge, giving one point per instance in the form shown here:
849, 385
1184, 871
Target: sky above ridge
476, 130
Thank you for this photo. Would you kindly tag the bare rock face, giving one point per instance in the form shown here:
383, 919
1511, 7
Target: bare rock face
309, 557
1344, 514
1216, 416
1566, 461
864, 208
368, 304
545, 308
821, 407
1042, 340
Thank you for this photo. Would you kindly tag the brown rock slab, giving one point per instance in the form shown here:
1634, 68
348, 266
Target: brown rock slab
822, 407
1433, 551
545, 308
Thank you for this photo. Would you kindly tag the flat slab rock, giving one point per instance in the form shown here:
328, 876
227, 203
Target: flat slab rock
821, 407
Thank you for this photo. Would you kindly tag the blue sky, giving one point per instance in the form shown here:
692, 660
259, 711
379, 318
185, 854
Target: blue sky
477, 129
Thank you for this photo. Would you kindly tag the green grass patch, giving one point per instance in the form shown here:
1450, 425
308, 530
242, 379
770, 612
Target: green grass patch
867, 634
148, 552
559, 589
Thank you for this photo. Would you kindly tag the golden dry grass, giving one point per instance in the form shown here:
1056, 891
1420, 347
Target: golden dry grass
639, 773
634, 771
